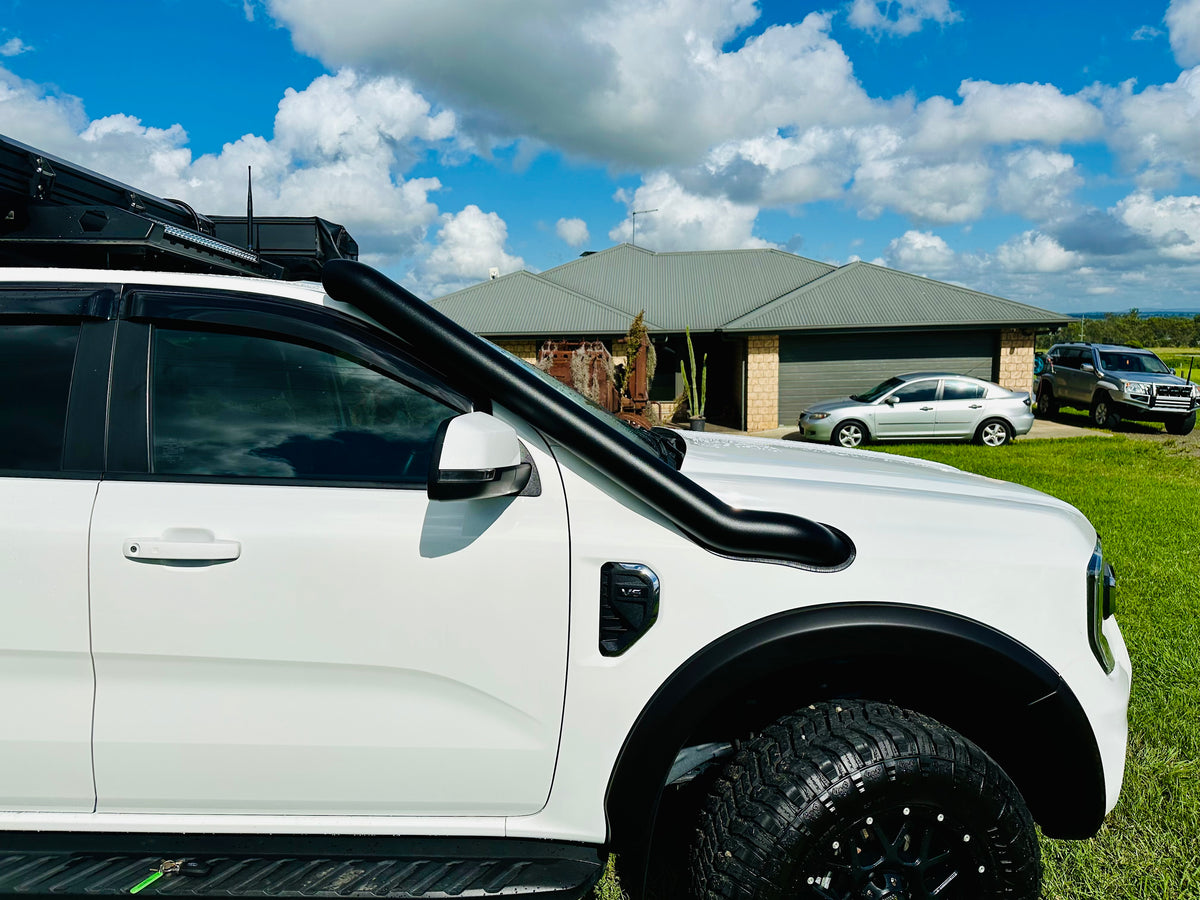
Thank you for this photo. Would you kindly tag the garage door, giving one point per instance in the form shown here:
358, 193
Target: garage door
824, 367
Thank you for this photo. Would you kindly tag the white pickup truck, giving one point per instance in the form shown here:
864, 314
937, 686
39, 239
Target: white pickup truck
310, 592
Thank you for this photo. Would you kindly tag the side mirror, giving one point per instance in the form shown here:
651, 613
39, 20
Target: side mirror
892, 400
476, 456
1087, 367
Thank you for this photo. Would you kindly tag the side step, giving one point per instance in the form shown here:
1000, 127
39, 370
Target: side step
204, 866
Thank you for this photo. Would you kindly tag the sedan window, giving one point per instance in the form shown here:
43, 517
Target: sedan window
954, 389
917, 392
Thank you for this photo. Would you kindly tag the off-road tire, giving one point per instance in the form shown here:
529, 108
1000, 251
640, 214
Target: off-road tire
1181, 425
854, 799
1104, 412
1046, 406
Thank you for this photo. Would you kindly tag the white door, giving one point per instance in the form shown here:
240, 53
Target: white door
284, 623
46, 679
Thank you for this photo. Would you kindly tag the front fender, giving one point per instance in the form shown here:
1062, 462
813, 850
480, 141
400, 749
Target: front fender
982, 683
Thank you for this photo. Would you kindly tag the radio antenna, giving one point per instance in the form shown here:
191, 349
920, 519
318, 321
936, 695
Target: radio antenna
250, 209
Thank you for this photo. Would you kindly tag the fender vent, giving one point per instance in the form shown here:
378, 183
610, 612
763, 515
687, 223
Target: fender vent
628, 605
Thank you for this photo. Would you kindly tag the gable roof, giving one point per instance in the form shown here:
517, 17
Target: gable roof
723, 290
701, 290
863, 295
524, 304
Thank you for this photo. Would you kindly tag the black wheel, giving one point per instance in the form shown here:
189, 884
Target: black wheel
849, 434
994, 433
1104, 412
1181, 424
1045, 401
854, 800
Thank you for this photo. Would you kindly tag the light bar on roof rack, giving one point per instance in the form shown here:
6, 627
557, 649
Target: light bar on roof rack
192, 237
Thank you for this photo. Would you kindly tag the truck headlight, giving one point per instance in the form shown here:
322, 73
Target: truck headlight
1101, 603
1136, 387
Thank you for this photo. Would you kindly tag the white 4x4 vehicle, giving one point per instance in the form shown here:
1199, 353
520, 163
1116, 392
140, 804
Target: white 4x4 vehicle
286, 590
310, 592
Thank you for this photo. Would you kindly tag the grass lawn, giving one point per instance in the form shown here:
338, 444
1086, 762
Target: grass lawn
1144, 500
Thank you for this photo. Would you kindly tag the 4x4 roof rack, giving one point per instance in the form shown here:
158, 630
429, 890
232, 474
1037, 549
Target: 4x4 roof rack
57, 213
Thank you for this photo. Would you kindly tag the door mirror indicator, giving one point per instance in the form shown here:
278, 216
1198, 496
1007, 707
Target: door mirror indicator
476, 456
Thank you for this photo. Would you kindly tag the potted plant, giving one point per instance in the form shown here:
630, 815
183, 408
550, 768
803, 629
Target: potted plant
696, 387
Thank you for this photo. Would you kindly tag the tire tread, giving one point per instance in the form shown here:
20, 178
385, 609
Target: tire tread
788, 779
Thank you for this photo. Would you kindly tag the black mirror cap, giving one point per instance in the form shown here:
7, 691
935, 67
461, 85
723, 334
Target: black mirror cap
477, 484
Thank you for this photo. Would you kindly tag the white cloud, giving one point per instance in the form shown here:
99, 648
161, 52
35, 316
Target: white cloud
573, 231
941, 193
14, 47
1036, 252
469, 244
1156, 132
1171, 224
637, 82
920, 252
1183, 20
337, 151
900, 17
1004, 114
686, 221
1037, 183
1146, 33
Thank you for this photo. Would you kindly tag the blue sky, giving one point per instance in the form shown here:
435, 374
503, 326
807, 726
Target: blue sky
1045, 151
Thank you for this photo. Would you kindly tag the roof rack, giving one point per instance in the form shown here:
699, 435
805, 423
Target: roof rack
53, 212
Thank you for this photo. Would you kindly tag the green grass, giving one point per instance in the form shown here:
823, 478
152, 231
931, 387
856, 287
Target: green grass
1144, 500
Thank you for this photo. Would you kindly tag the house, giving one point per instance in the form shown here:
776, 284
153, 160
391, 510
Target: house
780, 331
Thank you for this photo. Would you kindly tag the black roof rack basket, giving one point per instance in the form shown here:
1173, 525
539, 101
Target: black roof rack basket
56, 213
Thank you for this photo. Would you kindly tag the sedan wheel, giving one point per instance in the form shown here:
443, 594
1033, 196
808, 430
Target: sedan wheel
994, 433
849, 434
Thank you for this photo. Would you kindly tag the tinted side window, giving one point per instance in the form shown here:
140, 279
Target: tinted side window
35, 383
246, 406
1068, 359
962, 390
917, 392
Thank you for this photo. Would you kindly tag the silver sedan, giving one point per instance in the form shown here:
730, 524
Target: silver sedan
922, 406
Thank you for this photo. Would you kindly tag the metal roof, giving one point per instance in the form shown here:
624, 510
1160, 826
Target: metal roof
524, 304
701, 290
730, 290
863, 295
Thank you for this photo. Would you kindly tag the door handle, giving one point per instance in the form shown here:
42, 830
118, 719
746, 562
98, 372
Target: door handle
976, 406
183, 544
926, 408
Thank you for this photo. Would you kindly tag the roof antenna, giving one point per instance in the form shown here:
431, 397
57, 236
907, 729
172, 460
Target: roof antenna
250, 209
633, 215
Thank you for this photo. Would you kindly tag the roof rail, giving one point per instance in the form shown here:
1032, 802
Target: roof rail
57, 213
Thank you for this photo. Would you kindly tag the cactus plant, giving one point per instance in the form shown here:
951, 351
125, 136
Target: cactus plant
697, 386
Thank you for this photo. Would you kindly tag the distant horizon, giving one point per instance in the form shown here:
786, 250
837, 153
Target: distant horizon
1143, 313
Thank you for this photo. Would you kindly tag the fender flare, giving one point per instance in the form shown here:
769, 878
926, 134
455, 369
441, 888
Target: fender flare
975, 679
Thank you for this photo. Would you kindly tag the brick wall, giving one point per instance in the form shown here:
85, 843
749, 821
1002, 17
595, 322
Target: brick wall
528, 350
1016, 359
762, 382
